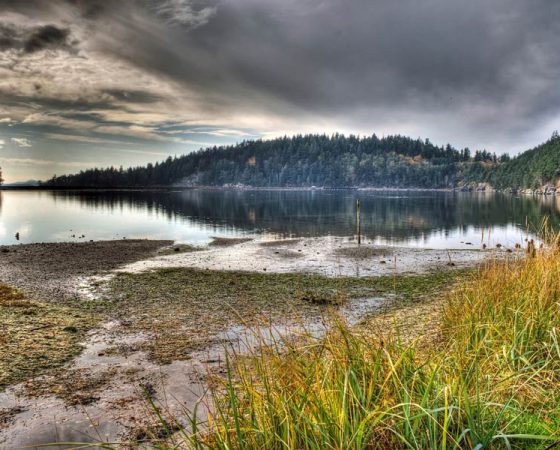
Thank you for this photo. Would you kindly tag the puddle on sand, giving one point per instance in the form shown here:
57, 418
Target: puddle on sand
176, 387
118, 406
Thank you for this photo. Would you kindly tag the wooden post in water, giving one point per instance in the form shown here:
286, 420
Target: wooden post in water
531, 249
358, 225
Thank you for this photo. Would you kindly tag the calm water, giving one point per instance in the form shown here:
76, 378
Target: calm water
423, 219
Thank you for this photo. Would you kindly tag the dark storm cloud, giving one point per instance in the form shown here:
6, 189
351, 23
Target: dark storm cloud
47, 37
92, 9
326, 57
34, 39
469, 72
8, 37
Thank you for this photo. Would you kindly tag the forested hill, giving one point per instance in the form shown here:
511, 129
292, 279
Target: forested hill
303, 161
533, 169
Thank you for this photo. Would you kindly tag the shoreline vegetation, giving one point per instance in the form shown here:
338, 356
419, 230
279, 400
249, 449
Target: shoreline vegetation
453, 358
157, 301
151, 328
38, 336
337, 161
484, 375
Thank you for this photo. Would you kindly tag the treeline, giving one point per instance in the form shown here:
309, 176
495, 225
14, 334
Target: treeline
335, 161
529, 170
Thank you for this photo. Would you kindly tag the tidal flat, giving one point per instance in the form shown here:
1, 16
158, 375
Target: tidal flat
115, 321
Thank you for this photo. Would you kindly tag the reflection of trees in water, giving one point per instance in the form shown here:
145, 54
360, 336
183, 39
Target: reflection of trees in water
388, 215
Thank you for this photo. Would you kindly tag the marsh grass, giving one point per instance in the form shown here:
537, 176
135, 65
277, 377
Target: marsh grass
488, 378
35, 336
173, 303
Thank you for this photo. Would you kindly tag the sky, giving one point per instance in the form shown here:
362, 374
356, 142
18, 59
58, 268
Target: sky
87, 83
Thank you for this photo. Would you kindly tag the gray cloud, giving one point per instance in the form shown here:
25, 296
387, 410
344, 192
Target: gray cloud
490, 64
34, 39
133, 96
189, 13
47, 37
481, 73
8, 37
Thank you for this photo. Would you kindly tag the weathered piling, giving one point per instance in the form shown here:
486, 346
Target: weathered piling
531, 249
358, 224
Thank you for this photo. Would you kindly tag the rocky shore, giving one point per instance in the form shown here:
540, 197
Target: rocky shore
546, 189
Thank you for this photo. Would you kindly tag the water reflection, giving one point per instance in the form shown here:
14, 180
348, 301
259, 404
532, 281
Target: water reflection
437, 219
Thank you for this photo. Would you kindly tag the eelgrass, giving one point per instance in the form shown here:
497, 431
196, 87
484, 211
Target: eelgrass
488, 379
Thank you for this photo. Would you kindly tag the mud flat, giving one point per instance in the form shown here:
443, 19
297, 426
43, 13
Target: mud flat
101, 395
167, 317
327, 256
51, 271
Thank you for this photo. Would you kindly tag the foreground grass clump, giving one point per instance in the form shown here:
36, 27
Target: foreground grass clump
489, 378
36, 336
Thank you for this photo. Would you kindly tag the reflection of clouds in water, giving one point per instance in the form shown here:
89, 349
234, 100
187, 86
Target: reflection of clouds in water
427, 220
55, 218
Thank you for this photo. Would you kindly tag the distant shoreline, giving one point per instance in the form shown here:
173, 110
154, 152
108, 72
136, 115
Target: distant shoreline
273, 189
228, 188
217, 188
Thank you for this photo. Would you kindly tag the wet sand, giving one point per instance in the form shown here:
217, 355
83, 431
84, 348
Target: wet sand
52, 271
100, 395
117, 410
327, 256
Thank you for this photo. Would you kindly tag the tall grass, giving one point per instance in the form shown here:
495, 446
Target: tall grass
489, 378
